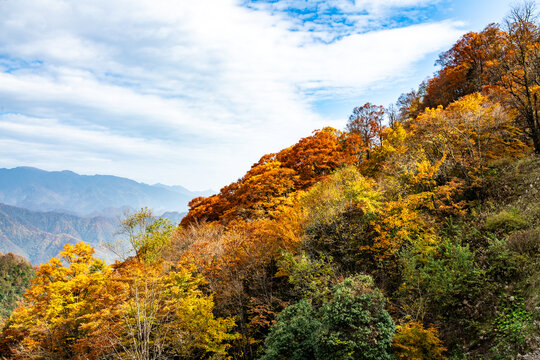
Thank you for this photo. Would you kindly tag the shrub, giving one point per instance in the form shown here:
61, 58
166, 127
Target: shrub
512, 326
505, 222
526, 242
441, 284
414, 342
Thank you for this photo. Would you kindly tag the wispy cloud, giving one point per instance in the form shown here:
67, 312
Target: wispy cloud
209, 85
328, 20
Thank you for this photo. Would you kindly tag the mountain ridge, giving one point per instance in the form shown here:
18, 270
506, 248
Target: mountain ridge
68, 192
38, 236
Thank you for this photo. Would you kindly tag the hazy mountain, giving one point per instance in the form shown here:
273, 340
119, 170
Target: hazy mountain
38, 236
68, 192
173, 216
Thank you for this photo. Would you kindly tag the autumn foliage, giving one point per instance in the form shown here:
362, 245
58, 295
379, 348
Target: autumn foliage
414, 342
319, 250
79, 308
265, 189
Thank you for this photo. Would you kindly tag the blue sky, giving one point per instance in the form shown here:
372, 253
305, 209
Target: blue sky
194, 92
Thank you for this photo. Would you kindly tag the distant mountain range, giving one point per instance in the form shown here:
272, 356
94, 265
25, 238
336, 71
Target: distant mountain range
41, 211
84, 195
38, 236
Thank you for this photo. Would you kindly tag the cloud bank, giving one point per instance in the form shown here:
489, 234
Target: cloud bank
191, 92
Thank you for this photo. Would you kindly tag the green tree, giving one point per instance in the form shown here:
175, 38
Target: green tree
353, 324
147, 236
295, 335
15, 276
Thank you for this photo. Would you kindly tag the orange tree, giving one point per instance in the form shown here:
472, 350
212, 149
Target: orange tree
465, 67
263, 191
517, 70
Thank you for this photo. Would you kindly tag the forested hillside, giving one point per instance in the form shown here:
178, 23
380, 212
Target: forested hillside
414, 233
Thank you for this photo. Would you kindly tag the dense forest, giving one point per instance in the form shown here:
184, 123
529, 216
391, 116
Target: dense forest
414, 233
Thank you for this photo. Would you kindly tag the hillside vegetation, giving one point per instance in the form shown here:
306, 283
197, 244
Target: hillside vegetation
15, 276
416, 240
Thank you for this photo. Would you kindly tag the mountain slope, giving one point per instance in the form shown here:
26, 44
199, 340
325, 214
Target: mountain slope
66, 191
38, 236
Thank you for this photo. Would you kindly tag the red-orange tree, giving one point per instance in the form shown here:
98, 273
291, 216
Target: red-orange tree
366, 122
465, 67
263, 191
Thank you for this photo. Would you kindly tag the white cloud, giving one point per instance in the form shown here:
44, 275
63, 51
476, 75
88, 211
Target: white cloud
94, 139
218, 83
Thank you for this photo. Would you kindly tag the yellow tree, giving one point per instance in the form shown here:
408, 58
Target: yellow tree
47, 325
414, 342
469, 133
147, 236
141, 308
157, 313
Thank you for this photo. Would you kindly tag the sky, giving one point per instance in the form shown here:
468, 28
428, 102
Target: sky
192, 93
